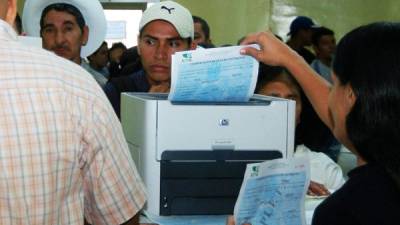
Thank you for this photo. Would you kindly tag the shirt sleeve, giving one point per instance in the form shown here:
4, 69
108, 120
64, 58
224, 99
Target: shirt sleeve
326, 171
323, 169
114, 191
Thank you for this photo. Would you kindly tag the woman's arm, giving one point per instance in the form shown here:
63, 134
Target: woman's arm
274, 52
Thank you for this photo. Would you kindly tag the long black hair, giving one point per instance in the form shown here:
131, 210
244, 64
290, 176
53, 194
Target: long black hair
368, 59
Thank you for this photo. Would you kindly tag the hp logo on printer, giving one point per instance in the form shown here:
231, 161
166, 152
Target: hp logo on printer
224, 122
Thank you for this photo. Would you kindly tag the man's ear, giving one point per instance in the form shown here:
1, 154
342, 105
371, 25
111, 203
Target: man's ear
85, 35
11, 11
350, 95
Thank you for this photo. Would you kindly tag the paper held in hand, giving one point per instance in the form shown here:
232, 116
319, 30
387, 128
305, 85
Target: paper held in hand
213, 75
273, 192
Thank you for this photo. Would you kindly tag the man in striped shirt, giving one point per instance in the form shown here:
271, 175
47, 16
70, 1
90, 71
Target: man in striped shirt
63, 156
72, 29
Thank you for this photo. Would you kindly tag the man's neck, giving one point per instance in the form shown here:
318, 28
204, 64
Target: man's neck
77, 60
295, 43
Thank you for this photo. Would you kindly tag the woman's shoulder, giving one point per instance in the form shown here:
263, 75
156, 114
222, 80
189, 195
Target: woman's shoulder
366, 198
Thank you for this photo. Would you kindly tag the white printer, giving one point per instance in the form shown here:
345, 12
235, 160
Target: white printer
192, 156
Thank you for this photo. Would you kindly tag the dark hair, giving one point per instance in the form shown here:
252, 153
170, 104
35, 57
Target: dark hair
267, 74
368, 60
117, 45
63, 7
204, 25
18, 24
318, 33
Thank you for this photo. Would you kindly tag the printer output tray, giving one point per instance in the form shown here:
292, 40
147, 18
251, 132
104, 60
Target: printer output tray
204, 182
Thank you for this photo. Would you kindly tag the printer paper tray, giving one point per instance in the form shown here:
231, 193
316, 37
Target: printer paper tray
204, 182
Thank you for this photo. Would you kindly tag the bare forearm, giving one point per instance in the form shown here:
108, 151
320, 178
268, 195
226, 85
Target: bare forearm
274, 52
314, 86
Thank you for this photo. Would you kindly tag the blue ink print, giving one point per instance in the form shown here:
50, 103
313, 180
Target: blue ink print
186, 57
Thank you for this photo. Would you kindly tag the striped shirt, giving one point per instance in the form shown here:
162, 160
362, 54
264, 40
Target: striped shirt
63, 156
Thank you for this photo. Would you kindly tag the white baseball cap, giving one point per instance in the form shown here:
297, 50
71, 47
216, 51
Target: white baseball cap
172, 12
91, 10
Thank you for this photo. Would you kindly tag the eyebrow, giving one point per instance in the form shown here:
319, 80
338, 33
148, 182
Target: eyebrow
68, 22
177, 38
277, 94
293, 96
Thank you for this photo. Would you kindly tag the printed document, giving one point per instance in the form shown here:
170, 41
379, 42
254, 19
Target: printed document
213, 75
273, 192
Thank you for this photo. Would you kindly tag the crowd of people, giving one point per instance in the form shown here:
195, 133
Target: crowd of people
64, 157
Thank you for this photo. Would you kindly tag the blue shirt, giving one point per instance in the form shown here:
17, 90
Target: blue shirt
322, 70
136, 82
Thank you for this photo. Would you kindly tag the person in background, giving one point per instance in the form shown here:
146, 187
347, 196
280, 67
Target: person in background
64, 157
130, 62
361, 108
64, 29
115, 53
97, 65
202, 33
325, 173
315, 135
165, 28
301, 30
324, 45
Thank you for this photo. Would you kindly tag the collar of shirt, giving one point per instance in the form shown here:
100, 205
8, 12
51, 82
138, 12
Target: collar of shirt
7, 32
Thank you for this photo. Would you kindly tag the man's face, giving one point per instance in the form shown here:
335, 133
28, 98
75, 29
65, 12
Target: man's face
283, 90
157, 42
100, 58
62, 35
115, 54
199, 36
326, 46
305, 35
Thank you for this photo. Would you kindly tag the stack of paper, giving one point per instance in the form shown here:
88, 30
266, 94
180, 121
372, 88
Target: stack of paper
273, 192
213, 75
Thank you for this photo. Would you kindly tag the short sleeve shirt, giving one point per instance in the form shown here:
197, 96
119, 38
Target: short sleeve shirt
63, 155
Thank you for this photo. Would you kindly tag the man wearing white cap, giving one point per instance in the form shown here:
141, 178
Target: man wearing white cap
63, 155
72, 29
165, 28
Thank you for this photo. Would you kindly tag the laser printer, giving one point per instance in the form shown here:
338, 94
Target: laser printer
192, 156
